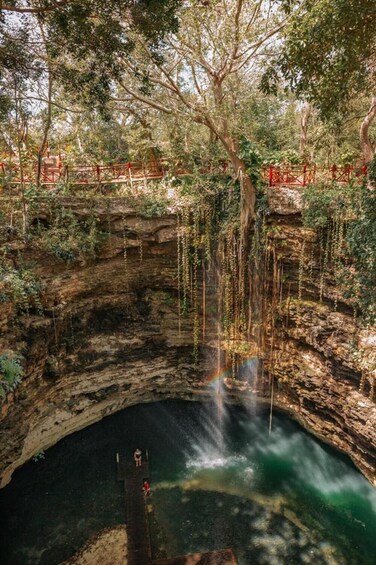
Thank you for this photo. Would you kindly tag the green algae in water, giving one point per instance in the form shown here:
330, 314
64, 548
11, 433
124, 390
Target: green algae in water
281, 499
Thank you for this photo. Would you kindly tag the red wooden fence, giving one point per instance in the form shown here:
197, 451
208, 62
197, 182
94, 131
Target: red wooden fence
304, 175
53, 172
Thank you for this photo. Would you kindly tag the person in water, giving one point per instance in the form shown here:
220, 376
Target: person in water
137, 456
146, 488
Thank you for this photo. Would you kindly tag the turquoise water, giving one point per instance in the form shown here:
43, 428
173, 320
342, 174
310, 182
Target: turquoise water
283, 498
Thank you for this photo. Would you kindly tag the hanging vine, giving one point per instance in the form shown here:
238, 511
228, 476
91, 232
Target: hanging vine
180, 267
196, 319
208, 250
325, 262
140, 251
125, 253
185, 229
301, 269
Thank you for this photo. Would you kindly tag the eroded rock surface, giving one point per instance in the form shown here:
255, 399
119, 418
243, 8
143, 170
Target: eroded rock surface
109, 338
106, 548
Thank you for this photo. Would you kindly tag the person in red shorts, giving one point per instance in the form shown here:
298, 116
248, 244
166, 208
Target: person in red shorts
146, 488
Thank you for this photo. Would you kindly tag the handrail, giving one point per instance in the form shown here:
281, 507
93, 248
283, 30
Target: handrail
304, 175
135, 171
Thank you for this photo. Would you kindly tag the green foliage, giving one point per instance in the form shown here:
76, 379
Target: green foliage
93, 38
252, 158
68, 238
328, 53
355, 205
225, 206
39, 456
372, 172
361, 240
348, 157
11, 373
281, 157
322, 201
151, 208
21, 287
254, 162
153, 202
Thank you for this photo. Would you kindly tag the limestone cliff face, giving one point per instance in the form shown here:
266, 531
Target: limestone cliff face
325, 374
109, 338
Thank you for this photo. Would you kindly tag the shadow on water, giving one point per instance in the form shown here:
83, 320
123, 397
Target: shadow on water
284, 498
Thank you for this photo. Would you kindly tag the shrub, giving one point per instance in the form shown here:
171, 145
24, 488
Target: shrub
21, 287
11, 373
68, 238
325, 200
153, 209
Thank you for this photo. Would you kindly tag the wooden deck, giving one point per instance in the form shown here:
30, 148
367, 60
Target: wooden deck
138, 534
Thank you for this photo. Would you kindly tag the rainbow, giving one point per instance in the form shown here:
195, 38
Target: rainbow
226, 371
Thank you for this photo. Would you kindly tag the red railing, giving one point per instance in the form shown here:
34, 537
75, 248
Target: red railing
290, 175
129, 172
136, 171
348, 173
304, 175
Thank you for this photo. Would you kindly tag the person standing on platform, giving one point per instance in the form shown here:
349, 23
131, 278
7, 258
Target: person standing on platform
137, 456
146, 488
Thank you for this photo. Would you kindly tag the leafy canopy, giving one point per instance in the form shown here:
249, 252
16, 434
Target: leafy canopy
90, 39
328, 53
81, 42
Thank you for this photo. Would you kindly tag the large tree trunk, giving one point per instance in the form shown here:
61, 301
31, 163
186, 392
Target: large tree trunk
248, 192
247, 206
306, 114
47, 125
367, 148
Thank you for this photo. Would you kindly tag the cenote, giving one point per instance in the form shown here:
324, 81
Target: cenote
283, 498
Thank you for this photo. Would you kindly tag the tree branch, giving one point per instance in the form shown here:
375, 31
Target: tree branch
146, 100
32, 10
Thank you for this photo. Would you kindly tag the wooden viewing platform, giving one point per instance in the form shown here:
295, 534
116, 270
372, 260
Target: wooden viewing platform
138, 534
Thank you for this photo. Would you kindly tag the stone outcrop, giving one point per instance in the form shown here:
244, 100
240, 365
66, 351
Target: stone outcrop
109, 337
107, 547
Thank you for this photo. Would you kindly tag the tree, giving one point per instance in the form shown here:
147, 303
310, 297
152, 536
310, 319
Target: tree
84, 38
328, 57
368, 148
304, 120
218, 49
89, 40
75, 43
